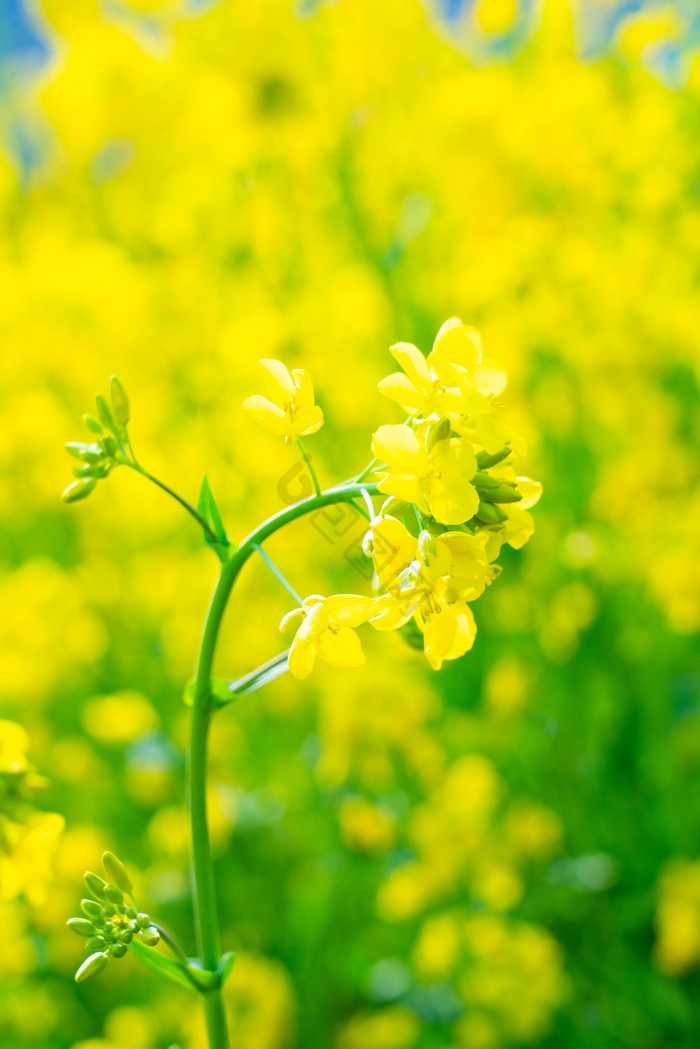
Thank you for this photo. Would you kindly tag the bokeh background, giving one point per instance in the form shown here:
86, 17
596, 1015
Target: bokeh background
505, 854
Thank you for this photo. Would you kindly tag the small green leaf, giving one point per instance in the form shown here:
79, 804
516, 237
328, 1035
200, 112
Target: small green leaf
210, 512
160, 963
274, 668
225, 967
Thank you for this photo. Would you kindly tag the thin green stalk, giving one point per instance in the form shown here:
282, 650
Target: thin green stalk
278, 575
203, 888
309, 467
183, 502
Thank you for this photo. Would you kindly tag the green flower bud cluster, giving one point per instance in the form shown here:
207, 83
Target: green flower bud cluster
108, 923
109, 448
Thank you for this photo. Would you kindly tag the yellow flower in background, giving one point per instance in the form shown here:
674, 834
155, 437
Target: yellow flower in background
288, 410
437, 481
327, 631
26, 851
27, 838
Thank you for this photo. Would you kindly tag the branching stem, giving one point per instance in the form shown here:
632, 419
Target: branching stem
204, 893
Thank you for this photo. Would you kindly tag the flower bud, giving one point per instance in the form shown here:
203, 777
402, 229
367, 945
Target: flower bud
96, 943
91, 910
485, 460
104, 413
143, 921
109, 910
113, 894
96, 885
503, 494
120, 401
131, 913
81, 926
79, 490
126, 936
91, 967
92, 424
489, 513
110, 445
118, 950
437, 432
116, 872
482, 480
150, 937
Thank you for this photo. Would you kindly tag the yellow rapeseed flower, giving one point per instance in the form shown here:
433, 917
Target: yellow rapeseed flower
443, 382
437, 481
327, 631
289, 409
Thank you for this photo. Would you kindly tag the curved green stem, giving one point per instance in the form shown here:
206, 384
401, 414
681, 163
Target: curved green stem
203, 888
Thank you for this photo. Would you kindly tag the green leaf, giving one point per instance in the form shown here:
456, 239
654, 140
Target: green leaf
160, 963
225, 967
210, 512
274, 668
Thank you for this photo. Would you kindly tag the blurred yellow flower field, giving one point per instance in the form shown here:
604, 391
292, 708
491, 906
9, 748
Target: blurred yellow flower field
502, 854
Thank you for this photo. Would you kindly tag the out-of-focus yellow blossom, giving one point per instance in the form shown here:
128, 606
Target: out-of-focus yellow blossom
119, 718
393, 1028
366, 827
327, 631
677, 947
436, 480
288, 410
28, 838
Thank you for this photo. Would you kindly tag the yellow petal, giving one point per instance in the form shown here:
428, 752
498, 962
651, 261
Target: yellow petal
455, 344
307, 422
399, 447
402, 487
518, 528
314, 624
277, 378
530, 490
465, 634
301, 658
454, 458
399, 388
409, 357
290, 617
341, 648
439, 634
452, 500
303, 391
393, 548
389, 613
267, 414
490, 378
348, 609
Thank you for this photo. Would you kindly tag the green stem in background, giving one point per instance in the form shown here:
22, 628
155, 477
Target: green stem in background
278, 575
309, 467
203, 888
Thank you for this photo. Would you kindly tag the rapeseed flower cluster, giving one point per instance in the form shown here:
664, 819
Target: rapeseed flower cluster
455, 499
